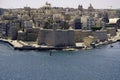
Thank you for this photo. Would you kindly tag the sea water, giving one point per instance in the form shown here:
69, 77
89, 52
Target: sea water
102, 63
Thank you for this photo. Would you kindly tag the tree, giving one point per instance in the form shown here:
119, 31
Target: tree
48, 23
64, 25
77, 23
67, 17
96, 28
105, 18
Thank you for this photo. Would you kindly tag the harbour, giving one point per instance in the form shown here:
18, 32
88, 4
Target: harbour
59, 40
101, 63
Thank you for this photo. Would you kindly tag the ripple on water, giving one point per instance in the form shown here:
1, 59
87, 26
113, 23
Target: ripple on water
102, 63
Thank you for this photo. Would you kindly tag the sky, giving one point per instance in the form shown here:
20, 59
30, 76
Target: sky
97, 4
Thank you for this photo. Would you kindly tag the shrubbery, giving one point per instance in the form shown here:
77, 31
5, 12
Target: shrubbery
96, 28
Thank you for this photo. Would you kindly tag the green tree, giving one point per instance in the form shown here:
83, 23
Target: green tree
64, 25
48, 23
105, 18
96, 28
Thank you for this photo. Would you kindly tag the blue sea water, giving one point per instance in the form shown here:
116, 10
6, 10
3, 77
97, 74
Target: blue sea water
101, 63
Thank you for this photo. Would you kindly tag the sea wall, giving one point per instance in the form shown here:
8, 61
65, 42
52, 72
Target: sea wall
111, 31
28, 35
46, 37
58, 38
80, 35
64, 38
101, 35
21, 36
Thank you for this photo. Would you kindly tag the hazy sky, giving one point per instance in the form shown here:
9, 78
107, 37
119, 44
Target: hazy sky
60, 3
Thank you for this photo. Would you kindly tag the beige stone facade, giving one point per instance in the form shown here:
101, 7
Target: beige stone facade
58, 38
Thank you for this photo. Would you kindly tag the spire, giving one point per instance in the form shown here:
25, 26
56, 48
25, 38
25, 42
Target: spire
80, 7
90, 8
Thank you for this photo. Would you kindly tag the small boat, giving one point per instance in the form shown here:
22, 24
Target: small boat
93, 45
69, 49
111, 45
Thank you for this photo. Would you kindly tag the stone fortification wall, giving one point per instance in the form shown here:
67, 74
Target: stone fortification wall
21, 36
111, 31
59, 38
28, 35
64, 38
80, 35
46, 37
101, 35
